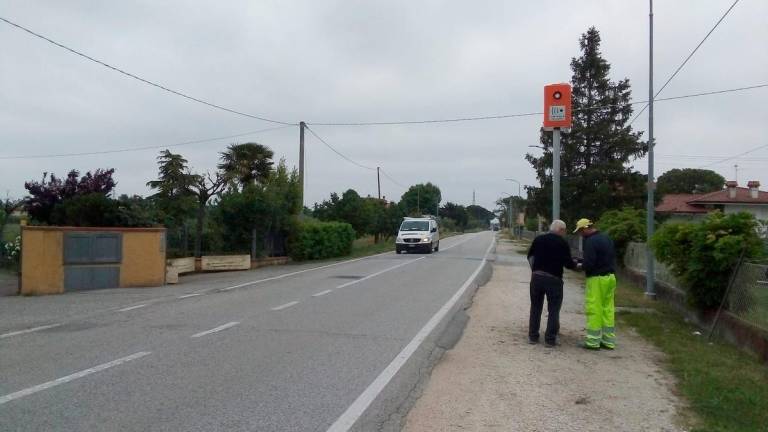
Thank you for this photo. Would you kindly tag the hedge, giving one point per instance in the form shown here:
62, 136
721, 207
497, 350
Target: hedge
318, 240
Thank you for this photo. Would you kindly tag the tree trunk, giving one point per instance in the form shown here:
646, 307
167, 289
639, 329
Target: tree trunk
199, 230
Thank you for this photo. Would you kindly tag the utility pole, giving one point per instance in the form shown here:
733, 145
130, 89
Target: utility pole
302, 125
650, 272
473, 197
418, 200
378, 179
556, 174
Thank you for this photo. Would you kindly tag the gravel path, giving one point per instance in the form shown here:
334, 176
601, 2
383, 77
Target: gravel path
494, 381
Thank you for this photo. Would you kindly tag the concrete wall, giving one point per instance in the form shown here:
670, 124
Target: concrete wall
42, 255
42, 269
143, 258
759, 211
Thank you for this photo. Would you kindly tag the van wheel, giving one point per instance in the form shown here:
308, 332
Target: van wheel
437, 248
429, 251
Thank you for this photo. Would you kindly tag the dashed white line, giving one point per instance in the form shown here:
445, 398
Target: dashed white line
322, 293
31, 390
216, 329
285, 306
126, 309
378, 273
29, 330
190, 295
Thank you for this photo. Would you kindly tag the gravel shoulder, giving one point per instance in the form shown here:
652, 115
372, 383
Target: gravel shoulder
492, 380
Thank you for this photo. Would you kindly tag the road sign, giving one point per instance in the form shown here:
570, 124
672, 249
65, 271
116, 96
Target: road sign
557, 106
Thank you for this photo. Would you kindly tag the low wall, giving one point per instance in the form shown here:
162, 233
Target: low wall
269, 261
225, 262
182, 265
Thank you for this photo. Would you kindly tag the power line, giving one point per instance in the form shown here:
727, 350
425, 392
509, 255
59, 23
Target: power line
390, 178
138, 78
679, 68
338, 152
132, 149
735, 156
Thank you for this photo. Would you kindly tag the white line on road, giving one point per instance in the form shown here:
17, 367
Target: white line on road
28, 391
378, 273
345, 422
285, 306
190, 295
322, 293
216, 329
459, 243
131, 308
29, 330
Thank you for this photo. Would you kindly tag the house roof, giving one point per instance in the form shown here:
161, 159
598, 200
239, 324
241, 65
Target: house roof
678, 203
723, 197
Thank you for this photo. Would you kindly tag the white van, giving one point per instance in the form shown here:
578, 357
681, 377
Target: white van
418, 234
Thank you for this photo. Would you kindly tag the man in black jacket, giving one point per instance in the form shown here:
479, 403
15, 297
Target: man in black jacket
548, 254
599, 259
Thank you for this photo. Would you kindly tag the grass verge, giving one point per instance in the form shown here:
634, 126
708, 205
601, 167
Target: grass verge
726, 388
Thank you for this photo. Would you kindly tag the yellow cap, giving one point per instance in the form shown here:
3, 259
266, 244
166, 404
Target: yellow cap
582, 223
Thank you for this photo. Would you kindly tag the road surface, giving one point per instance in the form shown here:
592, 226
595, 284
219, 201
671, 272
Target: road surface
311, 347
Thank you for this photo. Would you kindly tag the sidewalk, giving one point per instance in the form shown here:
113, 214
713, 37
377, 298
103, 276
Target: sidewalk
492, 380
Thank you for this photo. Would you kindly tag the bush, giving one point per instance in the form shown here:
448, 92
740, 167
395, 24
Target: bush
98, 210
623, 226
319, 240
703, 255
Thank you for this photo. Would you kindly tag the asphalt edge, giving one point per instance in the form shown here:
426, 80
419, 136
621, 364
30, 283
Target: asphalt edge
388, 411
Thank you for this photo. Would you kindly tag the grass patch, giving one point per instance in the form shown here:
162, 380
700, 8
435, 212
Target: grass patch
726, 388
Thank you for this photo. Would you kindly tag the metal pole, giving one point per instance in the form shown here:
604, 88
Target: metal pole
650, 272
509, 215
302, 125
378, 180
556, 174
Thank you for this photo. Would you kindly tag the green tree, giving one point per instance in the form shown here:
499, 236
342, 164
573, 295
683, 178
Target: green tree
457, 213
174, 197
596, 153
7, 207
246, 163
623, 226
421, 199
689, 181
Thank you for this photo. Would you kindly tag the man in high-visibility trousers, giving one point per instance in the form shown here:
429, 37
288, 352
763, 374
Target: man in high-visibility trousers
598, 265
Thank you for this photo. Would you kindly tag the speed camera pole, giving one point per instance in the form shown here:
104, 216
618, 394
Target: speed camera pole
557, 116
556, 174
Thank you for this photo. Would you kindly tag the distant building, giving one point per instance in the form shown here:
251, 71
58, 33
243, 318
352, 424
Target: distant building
732, 199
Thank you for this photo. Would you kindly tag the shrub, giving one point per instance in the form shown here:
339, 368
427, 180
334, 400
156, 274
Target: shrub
702, 255
317, 240
623, 226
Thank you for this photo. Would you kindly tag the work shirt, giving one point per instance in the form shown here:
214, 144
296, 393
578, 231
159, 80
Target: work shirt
599, 255
550, 253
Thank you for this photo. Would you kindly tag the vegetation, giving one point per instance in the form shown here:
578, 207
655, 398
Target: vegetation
596, 153
421, 199
623, 226
726, 388
312, 240
689, 181
702, 255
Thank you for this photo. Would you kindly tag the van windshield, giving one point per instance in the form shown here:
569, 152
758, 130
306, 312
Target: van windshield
415, 226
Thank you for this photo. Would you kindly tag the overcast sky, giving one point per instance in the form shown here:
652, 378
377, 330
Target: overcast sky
335, 61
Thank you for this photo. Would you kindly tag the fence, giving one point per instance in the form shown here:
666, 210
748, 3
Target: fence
748, 296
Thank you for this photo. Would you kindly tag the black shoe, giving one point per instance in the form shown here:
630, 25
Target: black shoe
533, 341
551, 344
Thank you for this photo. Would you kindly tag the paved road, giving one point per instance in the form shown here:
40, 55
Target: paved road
295, 348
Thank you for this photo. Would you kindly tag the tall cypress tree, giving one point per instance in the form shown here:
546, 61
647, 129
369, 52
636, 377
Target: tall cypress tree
596, 171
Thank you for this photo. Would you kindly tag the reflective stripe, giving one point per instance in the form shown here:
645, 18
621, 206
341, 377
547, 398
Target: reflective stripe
594, 333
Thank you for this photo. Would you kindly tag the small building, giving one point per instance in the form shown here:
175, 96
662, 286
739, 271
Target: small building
732, 199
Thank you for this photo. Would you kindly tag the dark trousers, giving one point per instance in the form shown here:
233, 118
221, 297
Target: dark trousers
552, 288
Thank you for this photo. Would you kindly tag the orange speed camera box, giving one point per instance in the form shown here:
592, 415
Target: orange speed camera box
557, 106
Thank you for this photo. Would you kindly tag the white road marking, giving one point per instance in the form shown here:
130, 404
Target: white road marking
29, 330
190, 295
322, 293
358, 407
298, 272
31, 390
378, 273
132, 307
459, 243
285, 306
216, 329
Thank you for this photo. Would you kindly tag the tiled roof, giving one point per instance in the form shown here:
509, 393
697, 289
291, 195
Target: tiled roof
678, 203
722, 196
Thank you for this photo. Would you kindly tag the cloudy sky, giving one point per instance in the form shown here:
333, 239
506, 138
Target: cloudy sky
345, 61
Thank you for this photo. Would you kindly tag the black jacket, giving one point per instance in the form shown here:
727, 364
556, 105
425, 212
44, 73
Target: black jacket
550, 254
599, 255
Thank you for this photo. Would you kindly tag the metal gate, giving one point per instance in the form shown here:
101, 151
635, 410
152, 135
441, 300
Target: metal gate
92, 260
